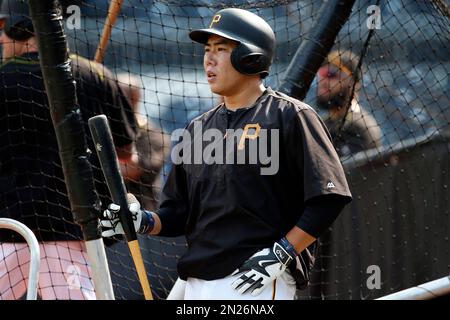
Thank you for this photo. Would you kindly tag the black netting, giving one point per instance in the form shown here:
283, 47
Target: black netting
392, 132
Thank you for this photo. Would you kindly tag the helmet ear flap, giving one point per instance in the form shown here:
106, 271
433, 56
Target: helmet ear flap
249, 60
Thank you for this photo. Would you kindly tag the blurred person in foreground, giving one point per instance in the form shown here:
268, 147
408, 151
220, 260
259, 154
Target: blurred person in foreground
32, 187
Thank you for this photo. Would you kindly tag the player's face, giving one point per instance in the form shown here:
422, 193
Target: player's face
332, 81
222, 77
6, 42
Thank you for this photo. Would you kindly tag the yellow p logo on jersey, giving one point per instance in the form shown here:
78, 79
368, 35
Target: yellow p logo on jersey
215, 19
254, 128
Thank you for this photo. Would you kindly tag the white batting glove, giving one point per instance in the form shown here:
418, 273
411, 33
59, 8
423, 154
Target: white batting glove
263, 267
142, 220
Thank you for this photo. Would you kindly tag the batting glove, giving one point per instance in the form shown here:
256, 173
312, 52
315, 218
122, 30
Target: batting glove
142, 219
264, 267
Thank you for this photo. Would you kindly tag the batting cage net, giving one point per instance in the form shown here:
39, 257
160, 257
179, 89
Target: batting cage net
382, 89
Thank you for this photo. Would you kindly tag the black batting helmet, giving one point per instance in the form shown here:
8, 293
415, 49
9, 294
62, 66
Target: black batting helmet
17, 21
256, 39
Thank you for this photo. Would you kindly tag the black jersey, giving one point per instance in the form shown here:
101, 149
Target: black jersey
32, 188
227, 210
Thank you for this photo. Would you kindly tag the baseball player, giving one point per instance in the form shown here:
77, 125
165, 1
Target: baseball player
249, 219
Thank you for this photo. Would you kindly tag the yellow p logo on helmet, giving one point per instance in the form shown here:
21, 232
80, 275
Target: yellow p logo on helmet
215, 19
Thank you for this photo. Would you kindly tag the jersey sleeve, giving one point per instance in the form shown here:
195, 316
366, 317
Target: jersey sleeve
98, 93
320, 212
313, 156
119, 113
173, 210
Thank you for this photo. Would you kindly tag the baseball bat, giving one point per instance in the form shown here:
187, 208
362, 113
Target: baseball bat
113, 12
103, 141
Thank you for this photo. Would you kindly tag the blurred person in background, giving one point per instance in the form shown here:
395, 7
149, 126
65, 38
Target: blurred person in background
142, 178
351, 127
152, 148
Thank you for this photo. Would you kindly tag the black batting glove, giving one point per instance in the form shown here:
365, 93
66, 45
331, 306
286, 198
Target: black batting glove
264, 267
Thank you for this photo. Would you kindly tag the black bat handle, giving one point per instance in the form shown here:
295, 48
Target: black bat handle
104, 145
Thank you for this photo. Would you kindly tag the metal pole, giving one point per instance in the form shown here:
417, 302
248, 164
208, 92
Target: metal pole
35, 254
100, 269
426, 291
